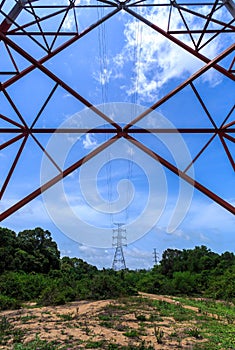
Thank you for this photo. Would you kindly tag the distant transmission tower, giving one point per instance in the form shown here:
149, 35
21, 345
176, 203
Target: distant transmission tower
155, 256
118, 237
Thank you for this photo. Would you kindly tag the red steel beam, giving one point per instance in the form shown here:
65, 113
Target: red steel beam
47, 154
115, 131
9, 175
179, 43
11, 141
179, 31
229, 137
59, 49
227, 126
10, 121
192, 31
57, 178
227, 152
118, 130
182, 175
199, 153
209, 16
56, 79
12, 59
15, 30
227, 117
203, 104
197, 14
13, 106
183, 85
60, 26
44, 105
13, 14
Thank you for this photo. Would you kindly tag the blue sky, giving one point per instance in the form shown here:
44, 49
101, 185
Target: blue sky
126, 65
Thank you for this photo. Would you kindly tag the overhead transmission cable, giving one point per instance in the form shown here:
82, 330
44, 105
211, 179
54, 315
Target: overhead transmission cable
103, 81
134, 99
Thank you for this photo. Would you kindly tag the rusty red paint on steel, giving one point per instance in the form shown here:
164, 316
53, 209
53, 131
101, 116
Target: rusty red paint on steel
227, 151
119, 131
183, 85
182, 175
57, 80
23, 131
9, 175
58, 49
180, 43
56, 179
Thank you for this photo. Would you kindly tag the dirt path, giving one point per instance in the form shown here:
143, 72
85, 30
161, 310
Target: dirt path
167, 299
171, 300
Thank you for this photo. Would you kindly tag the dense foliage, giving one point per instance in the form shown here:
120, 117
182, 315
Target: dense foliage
31, 269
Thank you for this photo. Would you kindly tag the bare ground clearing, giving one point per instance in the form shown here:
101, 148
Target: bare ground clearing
127, 322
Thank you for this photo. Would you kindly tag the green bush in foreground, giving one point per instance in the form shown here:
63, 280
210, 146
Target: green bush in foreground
7, 303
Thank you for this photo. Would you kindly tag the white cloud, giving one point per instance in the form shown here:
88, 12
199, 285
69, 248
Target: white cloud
211, 216
206, 223
69, 23
89, 142
103, 76
155, 60
158, 60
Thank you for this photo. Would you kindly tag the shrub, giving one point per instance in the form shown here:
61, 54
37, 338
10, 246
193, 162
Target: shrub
8, 303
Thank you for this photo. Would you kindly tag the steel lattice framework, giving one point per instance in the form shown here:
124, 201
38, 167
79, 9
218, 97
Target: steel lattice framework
31, 44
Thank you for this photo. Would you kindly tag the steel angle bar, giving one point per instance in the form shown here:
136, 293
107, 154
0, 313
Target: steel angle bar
9, 175
182, 86
7, 119
179, 43
213, 20
60, 82
57, 178
58, 49
11, 141
13, 105
182, 175
229, 155
229, 137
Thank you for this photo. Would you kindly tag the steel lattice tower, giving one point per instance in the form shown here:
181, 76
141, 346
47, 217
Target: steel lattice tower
119, 259
33, 35
155, 256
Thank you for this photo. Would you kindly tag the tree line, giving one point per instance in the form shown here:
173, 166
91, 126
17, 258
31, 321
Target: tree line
31, 269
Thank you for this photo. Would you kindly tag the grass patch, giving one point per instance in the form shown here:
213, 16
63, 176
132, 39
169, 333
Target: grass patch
66, 317
7, 332
95, 344
220, 308
106, 324
132, 333
25, 319
36, 344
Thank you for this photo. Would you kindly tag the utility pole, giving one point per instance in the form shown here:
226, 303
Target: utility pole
155, 256
118, 237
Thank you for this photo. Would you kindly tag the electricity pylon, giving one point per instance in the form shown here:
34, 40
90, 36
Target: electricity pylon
119, 260
155, 256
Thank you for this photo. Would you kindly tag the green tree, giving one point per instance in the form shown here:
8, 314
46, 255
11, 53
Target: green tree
171, 261
7, 249
38, 246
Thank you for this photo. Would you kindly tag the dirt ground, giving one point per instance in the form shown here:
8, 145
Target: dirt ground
85, 325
